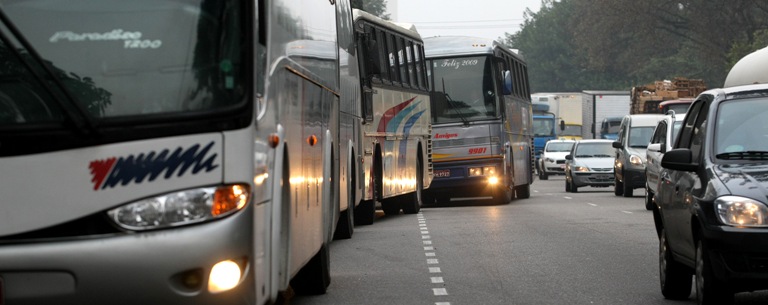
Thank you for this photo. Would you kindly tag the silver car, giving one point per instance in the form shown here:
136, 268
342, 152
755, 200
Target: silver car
661, 142
590, 163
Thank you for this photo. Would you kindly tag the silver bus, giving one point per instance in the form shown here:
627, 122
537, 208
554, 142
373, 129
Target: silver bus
395, 116
481, 119
167, 152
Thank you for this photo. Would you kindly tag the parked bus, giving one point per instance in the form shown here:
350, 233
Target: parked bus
395, 120
481, 119
167, 152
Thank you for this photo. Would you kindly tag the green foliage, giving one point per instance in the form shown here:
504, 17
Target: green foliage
573, 45
375, 7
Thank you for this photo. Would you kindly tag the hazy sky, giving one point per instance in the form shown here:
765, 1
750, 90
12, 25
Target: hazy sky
482, 18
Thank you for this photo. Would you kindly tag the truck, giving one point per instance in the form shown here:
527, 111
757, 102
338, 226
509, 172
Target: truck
544, 123
567, 108
646, 99
604, 111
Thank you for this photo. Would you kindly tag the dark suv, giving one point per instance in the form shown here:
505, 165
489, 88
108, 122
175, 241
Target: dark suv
711, 211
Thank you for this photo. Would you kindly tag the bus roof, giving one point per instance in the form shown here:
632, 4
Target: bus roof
463, 45
406, 29
750, 69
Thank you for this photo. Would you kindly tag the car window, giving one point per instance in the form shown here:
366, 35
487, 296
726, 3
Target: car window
660, 134
690, 119
699, 133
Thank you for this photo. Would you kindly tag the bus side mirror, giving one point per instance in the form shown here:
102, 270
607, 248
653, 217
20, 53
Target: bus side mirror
507, 83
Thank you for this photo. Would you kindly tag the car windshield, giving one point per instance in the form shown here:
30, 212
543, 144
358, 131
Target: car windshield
121, 58
595, 150
639, 137
559, 147
742, 126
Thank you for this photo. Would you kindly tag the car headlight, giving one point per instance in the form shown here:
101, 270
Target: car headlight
550, 160
181, 208
635, 160
580, 169
741, 211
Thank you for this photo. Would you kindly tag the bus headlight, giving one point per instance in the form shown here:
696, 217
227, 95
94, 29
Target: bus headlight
224, 276
741, 211
181, 208
475, 171
489, 171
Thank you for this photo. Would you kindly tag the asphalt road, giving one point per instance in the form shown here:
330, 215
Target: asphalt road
589, 247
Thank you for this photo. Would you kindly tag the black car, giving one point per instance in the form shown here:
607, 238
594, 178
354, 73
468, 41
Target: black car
711, 211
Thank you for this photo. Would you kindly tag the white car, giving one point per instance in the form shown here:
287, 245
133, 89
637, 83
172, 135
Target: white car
662, 140
590, 163
553, 158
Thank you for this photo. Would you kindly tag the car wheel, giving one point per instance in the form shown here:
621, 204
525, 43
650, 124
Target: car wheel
543, 176
574, 188
709, 290
675, 279
626, 188
648, 199
567, 184
618, 187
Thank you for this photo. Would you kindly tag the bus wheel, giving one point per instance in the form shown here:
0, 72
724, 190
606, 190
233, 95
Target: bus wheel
523, 191
414, 205
390, 206
346, 225
314, 277
365, 213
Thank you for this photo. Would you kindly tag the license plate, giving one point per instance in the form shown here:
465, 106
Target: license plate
441, 173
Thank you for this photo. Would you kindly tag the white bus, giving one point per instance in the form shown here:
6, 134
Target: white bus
395, 117
481, 119
167, 152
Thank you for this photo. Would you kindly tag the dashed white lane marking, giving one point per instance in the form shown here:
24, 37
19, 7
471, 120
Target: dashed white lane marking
627, 212
429, 251
592, 204
566, 197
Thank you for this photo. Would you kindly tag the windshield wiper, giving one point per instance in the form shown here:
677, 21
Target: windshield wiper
603, 156
743, 155
584, 156
453, 105
82, 121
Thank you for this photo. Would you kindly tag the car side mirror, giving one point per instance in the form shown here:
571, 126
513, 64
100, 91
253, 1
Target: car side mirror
654, 147
616, 144
568, 157
679, 159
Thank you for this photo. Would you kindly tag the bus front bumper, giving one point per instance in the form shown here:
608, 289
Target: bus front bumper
170, 266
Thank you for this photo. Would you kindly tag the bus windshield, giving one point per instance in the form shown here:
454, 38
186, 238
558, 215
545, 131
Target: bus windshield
116, 58
468, 84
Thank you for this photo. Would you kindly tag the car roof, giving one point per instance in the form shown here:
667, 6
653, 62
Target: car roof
595, 141
644, 119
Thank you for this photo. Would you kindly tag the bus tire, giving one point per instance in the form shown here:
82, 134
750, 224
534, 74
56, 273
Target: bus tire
365, 212
523, 191
413, 206
314, 277
390, 206
346, 225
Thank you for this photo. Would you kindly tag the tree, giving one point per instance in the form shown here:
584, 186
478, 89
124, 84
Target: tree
375, 7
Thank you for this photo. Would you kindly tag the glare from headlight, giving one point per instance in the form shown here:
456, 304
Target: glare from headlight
635, 160
225, 275
741, 211
475, 171
180, 208
493, 180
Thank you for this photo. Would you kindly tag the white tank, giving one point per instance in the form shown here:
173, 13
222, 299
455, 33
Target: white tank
749, 70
